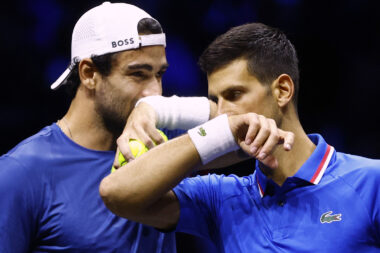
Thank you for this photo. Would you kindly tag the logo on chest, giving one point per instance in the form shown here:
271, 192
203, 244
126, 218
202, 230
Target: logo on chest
328, 218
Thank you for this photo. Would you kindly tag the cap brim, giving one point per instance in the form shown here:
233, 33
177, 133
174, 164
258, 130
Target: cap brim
60, 79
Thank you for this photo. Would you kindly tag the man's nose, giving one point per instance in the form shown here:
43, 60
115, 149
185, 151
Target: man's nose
153, 88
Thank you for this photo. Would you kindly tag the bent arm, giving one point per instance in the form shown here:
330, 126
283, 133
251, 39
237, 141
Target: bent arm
141, 190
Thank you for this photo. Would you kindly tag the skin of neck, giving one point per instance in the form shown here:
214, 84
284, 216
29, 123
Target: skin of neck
86, 125
289, 162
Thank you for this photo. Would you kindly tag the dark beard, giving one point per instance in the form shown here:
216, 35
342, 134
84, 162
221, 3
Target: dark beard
112, 121
114, 126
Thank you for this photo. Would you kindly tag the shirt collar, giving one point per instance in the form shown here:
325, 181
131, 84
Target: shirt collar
312, 170
261, 180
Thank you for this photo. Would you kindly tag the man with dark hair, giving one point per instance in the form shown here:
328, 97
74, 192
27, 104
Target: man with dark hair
268, 53
303, 196
49, 182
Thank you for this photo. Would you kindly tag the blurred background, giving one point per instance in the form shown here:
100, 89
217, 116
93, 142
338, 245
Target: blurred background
338, 44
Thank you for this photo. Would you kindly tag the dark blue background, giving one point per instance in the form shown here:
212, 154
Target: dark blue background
338, 43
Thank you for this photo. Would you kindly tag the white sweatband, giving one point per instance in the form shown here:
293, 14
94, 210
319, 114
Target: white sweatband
213, 139
179, 112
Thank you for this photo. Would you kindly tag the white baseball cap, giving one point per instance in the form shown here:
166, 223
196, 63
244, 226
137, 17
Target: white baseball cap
108, 28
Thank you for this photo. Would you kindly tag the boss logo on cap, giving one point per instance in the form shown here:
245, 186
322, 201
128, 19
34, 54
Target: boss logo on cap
124, 42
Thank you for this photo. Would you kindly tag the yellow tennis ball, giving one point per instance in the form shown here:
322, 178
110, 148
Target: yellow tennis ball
163, 135
137, 148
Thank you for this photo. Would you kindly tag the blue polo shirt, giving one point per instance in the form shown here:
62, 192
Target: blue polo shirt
330, 205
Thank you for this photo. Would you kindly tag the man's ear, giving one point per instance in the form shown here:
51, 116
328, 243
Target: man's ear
87, 73
283, 89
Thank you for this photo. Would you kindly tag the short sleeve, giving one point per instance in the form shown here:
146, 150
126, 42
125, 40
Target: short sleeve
199, 199
17, 223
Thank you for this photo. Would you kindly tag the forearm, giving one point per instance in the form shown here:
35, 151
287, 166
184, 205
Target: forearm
145, 183
141, 190
179, 112
135, 187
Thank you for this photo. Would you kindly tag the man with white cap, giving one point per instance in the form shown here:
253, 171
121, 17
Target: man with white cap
49, 182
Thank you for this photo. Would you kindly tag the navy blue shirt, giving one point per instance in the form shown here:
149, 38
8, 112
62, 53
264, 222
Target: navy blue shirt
50, 202
332, 204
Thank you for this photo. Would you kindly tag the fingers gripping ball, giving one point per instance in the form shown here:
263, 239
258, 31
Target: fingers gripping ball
137, 148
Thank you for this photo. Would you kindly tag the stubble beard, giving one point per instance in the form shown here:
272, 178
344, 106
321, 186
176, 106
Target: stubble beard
113, 115
112, 121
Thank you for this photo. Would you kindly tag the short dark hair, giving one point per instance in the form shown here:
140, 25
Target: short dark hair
267, 50
103, 63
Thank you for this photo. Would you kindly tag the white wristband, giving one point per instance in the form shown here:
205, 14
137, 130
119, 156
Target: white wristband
179, 112
213, 139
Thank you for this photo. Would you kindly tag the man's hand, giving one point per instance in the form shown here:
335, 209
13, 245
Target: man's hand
258, 136
141, 125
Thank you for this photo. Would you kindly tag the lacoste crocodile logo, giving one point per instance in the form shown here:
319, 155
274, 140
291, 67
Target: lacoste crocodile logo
202, 132
328, 218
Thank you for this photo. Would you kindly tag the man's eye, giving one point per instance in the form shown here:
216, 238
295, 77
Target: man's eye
138, 74
234, 95
160, 74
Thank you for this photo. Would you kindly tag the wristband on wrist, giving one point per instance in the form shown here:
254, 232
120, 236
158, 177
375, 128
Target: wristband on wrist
179, 112
213, 139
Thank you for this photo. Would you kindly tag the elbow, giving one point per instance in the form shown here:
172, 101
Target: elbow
107, 193
117, 200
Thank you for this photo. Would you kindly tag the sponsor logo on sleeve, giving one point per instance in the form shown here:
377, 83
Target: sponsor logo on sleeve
202, 131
